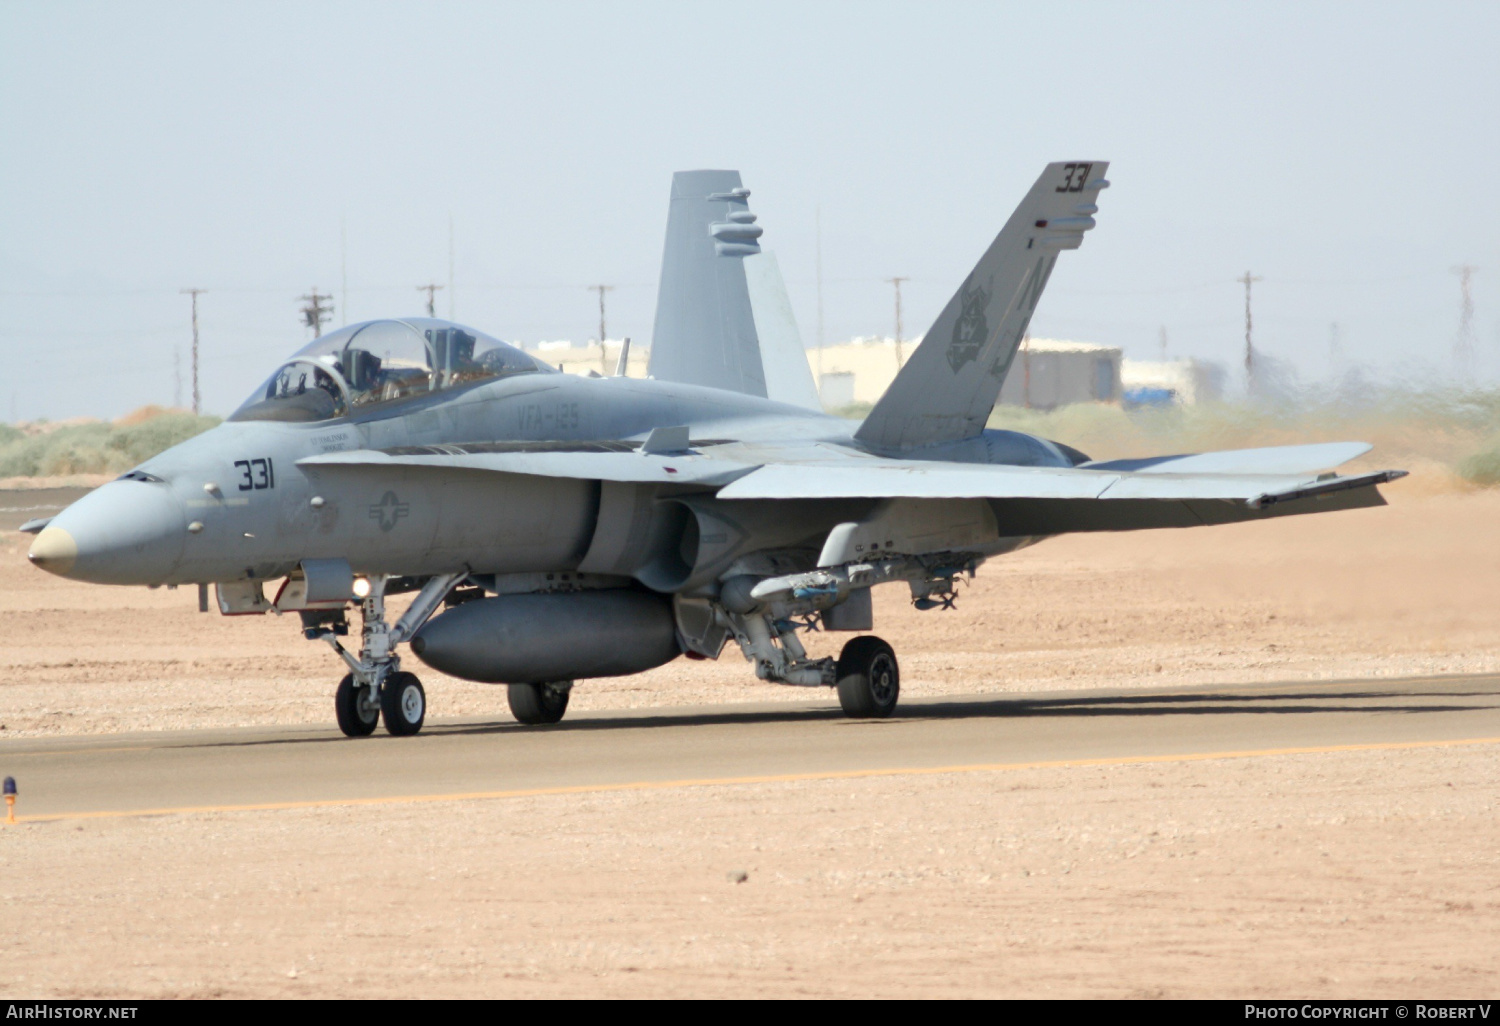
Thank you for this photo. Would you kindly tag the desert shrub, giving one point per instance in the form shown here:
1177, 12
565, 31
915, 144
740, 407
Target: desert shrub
93, 447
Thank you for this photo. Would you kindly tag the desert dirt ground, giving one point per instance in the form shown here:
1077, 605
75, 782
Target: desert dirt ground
1359, 874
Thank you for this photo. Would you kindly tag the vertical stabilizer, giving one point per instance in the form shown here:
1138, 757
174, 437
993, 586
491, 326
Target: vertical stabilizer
949, 386
722, 315
782, 355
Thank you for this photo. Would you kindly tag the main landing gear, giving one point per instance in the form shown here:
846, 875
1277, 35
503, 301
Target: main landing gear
869, 679
376, 687
539, 703
866, 674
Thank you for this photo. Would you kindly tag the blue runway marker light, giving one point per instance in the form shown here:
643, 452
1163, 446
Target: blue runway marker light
10, 799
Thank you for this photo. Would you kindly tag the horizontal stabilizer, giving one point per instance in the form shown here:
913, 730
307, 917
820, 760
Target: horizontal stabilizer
1280, 459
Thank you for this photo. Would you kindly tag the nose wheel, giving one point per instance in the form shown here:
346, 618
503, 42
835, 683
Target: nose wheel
403, 704
356, 711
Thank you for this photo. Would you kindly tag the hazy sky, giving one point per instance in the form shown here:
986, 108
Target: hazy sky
1345, 152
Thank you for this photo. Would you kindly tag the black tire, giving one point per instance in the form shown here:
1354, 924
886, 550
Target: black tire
403, 704
869, 678
539, 703
351, 712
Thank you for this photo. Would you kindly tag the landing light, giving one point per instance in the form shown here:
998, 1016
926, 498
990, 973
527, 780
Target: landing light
361, 587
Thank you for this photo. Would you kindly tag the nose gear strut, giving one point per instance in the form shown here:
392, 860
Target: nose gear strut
362, 695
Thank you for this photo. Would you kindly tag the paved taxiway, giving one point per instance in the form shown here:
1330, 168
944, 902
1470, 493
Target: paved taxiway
294, 766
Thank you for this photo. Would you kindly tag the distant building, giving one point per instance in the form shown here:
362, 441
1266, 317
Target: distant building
573, 358
1161, 382
1048, 373
859, 371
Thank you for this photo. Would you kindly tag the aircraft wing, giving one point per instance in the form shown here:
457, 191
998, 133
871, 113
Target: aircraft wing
930, 480
1217, 487
1254, 478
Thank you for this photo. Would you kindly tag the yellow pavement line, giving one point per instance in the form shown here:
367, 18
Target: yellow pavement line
773, 778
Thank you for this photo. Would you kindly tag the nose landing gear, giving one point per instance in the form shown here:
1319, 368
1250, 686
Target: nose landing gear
357, 713
377, 688
403, 704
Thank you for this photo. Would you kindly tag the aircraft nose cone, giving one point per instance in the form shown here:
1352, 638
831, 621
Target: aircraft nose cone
54, 551
126, 532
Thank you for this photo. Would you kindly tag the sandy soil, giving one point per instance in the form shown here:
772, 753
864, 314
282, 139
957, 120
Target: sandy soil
1413, 588
1348, 875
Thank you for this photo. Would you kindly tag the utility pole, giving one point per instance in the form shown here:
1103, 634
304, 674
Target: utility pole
602, 289
1463, 342
1247, 281
818, 249
431, 291
897, 282
1162, 341
1026, 370
195, 293
314, 312
344, 266
176, 377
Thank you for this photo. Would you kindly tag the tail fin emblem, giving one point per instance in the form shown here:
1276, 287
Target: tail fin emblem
972, 330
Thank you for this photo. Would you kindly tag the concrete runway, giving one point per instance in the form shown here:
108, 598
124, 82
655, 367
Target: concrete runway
282, 767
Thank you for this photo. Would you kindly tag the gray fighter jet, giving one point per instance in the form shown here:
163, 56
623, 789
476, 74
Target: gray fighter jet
555, 527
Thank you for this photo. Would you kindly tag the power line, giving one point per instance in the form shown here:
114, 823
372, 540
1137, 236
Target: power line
197, 399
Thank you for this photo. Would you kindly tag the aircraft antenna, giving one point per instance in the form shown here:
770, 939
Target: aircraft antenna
314, 314
197, 406
431, 290
603, 358
1247, 281
897, 283
1463, 342
452, 291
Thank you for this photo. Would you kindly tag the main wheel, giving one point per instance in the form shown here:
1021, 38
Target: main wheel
869, 680
403, 704
357, 717
539, 703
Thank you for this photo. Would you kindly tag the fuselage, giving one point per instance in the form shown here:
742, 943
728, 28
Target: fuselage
233, 503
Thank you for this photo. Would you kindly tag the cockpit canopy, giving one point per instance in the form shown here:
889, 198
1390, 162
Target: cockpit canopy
365, 366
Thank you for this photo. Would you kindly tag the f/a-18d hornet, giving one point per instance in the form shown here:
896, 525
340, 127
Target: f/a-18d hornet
556, 527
